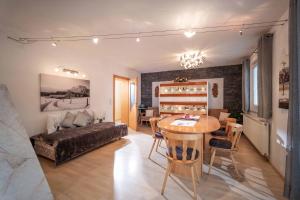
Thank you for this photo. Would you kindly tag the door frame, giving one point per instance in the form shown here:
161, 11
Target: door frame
114, 98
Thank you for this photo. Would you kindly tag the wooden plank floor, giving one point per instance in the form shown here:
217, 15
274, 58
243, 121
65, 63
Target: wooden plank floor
121, 170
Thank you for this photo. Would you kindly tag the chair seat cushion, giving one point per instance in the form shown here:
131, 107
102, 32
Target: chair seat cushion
219, 133
158, 135
179, 152
219, 143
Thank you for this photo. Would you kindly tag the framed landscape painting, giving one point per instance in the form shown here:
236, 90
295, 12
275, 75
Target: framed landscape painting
62, 93
284, 79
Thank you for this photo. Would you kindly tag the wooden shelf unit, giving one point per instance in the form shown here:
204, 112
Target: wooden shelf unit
183, 95
183, 83
184, 103
186, 97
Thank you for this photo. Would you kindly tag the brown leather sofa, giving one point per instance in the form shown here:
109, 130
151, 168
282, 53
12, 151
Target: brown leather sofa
67, 144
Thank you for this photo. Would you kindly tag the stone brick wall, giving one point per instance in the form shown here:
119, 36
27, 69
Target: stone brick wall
232, 83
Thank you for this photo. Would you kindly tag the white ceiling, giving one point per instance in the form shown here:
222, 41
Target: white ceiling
36, 18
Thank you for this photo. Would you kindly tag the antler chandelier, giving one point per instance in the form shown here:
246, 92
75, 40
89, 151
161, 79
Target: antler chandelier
191, 60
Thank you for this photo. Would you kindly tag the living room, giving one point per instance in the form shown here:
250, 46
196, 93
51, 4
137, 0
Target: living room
149, 100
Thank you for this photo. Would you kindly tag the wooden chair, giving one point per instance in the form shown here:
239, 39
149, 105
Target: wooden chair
149, 113
224, 132
227, 145
157, 136
183, 149
216, 112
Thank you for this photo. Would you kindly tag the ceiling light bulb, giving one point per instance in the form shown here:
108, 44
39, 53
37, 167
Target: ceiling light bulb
53, 44
56, 69
137, 39
241, 32
83, 75
95, 40
189, 34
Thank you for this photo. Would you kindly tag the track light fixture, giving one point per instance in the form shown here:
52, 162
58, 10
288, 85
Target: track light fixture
156, 33
189, 34
95, 40
54, 44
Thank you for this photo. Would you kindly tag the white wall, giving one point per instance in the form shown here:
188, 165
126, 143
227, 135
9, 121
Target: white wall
214, 102
20, 66
280, 116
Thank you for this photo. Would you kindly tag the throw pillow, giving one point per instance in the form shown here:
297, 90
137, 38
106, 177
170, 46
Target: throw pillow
54, 121
223, 116
82, 119
91, 118
68, 120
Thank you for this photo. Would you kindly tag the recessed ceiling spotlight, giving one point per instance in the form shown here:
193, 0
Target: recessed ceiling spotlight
137, 39
83, 75
95, 40
189, 34
53, 44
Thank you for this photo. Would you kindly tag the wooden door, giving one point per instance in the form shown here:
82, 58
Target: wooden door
133, 86
121, 99
124, 101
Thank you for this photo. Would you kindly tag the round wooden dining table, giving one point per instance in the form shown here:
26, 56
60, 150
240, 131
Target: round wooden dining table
204, 125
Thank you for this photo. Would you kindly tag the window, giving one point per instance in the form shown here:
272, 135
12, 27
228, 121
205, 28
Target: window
255, 92
253, 88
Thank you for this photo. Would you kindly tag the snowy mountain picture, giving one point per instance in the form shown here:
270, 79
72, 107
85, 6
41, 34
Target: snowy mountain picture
61, 93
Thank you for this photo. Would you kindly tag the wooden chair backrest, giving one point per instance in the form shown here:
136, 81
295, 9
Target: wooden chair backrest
149, 113
229, 120
155, 111
216, 112
235, 134
153, 123
185, 141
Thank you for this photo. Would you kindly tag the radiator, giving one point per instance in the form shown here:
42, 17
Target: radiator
257, 131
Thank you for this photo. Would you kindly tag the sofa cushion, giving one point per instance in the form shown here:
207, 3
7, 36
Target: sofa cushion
68, 120
91, 113
54, 121
91, 117
82, 119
